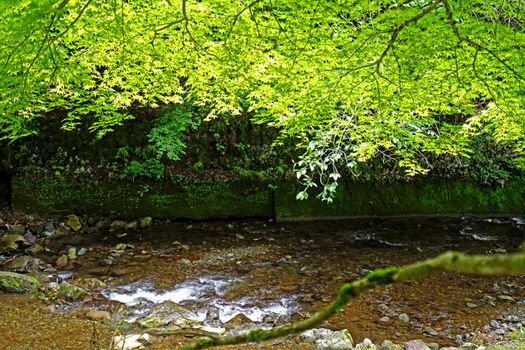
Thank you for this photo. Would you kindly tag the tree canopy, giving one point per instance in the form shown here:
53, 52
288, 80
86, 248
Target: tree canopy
347, 80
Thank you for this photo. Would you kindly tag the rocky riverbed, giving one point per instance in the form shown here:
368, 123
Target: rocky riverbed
73, 282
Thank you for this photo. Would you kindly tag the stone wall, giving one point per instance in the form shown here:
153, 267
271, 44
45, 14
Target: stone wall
251, 198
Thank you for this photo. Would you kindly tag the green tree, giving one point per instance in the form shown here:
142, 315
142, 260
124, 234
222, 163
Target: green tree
348, 80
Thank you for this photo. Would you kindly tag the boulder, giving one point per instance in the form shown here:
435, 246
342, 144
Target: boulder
170, 314
21, 263
17, 283
313, 334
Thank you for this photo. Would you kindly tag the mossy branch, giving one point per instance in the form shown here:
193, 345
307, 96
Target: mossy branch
450, 261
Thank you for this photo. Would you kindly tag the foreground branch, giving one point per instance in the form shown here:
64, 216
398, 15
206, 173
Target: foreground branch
450, 261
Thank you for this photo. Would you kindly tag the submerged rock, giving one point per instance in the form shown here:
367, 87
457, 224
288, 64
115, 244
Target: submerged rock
17, 283
169, 313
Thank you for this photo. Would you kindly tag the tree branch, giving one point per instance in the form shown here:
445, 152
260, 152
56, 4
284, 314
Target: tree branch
450, 261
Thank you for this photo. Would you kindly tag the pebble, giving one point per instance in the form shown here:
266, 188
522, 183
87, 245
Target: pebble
384, 319
505, 297
98, 315
403, 317
82, 251
431, 331
61, 261
471, 305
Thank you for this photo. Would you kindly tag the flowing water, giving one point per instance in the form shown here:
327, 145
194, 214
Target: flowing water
230, 277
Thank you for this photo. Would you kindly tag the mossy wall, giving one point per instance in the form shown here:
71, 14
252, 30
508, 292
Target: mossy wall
163, 199
251, 198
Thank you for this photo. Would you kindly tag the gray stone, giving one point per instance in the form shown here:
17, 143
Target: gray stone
82, 251
365, 345
339, 340
403, 317
471, 305
20, 264
389, 345
170, 314
417, 344
431, 331
384, 319
505, 297
312, 335
17, 283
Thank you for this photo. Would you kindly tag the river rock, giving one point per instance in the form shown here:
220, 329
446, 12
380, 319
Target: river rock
339, 340
403, 318
72, 253
389, 345
431, 331
72, 292
433, 346
20, 264
130, 342
145, 222
98, 315
169, 313
416, 345
119, 225
61, 261
313, 334
73, 222
35, 249
11, 242
365, 345
17, 229
17, 283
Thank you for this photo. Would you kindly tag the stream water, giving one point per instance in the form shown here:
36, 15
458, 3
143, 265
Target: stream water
229, 277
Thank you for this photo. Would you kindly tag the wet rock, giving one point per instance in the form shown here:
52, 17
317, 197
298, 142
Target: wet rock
92, 220
91, 283
11, 242
505, 297
21, 264
17, 229
433, 346
17, 283
82, 251
239, 320
365, 345
130, 342
312, 335
389, 345
431, 331
471, 305
98, 315
145, 222
72, 292
73, 222
339, 340
61, 262
35, 249
404, 318
417, 344
494, 324
384, 319
170, 314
